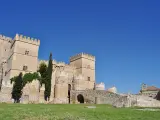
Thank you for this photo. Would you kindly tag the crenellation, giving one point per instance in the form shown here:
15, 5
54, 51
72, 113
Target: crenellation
84, 55
68, 80
61, 63
65, 74
43, 61
2, 37
27, 39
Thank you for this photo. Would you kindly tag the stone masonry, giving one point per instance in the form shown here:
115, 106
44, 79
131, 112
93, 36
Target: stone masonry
71, 83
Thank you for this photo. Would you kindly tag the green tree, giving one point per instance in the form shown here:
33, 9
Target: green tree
47, 91
17, 88
29, 77
20, 82
13, 79
43, 72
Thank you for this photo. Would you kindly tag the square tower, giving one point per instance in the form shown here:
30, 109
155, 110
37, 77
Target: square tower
23, 57
85, 65
5, 43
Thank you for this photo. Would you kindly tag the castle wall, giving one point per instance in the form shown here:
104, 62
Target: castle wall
85, 65
78, 64
22, 52
88, 69
101, 97
5, 43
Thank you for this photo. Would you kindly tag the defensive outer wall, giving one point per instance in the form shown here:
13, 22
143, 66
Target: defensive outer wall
116, 100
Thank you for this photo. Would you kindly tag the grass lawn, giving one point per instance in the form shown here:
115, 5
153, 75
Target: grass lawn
72, 112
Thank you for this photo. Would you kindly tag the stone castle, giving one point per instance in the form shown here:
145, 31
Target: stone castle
21, 55
71, 83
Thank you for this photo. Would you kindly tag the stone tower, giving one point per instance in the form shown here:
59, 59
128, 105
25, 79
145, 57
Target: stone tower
5, 43
23, 57
85, 65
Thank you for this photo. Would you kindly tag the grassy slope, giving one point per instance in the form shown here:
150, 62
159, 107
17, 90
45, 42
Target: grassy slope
72, 112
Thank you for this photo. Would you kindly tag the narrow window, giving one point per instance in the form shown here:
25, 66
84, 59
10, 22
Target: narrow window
5, 73
89, 78
25, 68
26, 52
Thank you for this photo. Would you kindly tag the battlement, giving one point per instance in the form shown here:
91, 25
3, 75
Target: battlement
82, 55
27, 39
54, 62
43, 61
60, 63
2, 37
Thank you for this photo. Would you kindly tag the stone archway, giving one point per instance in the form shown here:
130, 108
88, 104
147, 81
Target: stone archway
80, 98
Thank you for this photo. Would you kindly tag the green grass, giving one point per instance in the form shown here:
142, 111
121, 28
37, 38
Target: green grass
72, 112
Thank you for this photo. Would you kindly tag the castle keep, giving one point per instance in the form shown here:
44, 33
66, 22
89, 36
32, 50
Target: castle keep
21, 55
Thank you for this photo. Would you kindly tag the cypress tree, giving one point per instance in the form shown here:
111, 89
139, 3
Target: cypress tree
17, 88
47, 91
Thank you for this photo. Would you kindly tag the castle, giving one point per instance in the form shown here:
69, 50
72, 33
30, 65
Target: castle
21, 55
71, 83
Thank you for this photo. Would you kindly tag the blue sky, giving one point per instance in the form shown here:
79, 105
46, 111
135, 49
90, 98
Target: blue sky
124, 35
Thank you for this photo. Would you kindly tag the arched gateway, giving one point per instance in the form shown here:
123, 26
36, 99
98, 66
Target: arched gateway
80, 98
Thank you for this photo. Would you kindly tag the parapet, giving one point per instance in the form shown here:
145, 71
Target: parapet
54, 62
27, 39
58, 63
43, 61
82, 55
2, 37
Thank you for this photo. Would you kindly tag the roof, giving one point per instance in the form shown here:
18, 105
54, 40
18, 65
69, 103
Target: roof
152, 88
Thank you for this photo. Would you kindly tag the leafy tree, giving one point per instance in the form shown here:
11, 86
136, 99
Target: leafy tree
47, 91
20, 82
13, 79
29, 77
17, 88
43, 71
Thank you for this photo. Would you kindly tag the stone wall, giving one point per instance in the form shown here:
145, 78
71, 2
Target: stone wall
31, 92
117, 100
5, 95
103, 97
143, 101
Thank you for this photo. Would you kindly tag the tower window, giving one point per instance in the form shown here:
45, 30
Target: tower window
25, 68
26, 52
89, 78
5, 73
